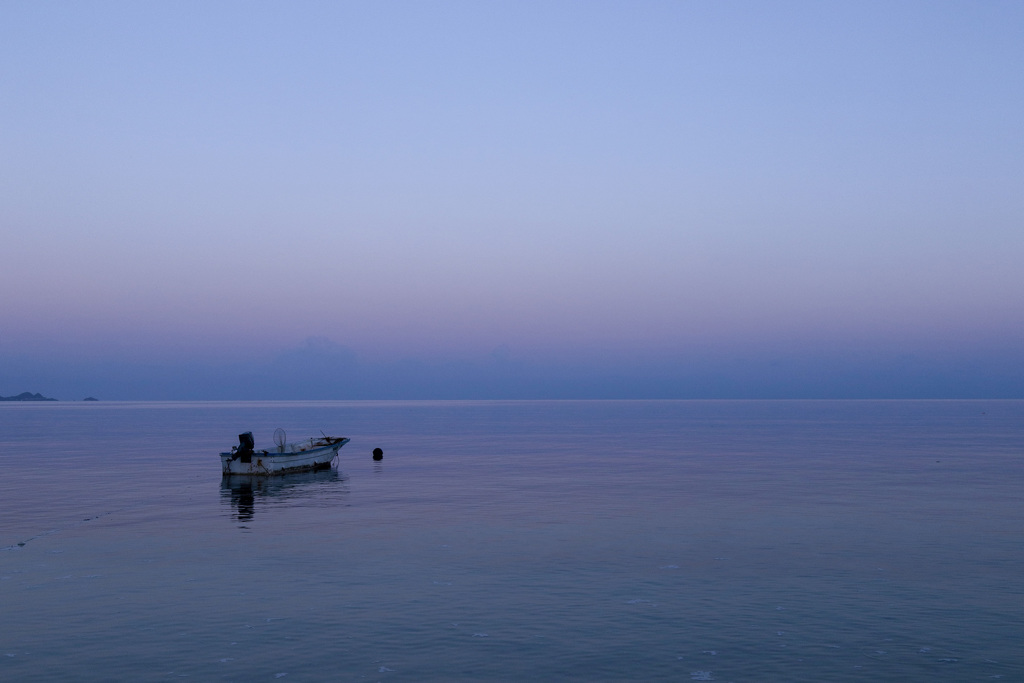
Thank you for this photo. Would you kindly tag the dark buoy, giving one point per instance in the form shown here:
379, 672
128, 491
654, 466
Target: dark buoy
378, 454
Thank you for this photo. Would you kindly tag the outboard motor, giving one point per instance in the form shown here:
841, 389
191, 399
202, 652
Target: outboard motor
245, 446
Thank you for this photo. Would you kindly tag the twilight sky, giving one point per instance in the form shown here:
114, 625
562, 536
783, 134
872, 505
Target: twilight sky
512, 199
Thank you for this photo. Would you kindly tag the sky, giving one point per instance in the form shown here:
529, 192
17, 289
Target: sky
259, 200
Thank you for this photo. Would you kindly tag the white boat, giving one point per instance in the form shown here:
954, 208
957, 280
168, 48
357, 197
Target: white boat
300, 456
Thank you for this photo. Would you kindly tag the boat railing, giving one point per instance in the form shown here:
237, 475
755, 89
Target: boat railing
297, 446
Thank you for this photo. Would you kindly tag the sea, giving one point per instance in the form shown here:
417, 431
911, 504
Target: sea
516, 540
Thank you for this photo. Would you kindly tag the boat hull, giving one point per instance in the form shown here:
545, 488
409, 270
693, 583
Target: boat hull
316, 456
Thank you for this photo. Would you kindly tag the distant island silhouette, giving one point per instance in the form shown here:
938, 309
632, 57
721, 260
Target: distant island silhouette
90, 398
26, 396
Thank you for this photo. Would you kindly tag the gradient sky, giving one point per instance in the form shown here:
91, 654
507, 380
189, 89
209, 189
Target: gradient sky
473, 199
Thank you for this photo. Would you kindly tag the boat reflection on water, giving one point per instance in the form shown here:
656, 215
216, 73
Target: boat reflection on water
307, 489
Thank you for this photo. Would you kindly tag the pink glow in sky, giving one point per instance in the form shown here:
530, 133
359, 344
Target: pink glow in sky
599, 184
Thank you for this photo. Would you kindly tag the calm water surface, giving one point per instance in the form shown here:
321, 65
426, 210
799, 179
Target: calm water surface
592, 540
